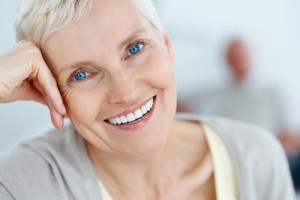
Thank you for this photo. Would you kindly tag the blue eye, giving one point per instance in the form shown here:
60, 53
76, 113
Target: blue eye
80, 76
135, 49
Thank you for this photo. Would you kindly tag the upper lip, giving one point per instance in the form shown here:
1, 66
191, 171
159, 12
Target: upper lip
131, 110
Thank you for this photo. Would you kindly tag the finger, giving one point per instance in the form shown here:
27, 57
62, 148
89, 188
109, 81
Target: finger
25, 92
49, 86
28, 92
57, 119
36, 96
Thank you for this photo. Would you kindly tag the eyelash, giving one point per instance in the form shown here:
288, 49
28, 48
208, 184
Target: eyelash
72, 76
126, 56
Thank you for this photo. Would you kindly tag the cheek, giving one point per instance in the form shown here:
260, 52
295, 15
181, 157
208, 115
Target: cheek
160, 74
159, 71
81, 105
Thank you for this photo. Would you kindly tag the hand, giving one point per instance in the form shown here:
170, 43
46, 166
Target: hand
24, 75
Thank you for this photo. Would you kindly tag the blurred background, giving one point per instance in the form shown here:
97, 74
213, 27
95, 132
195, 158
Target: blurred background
238, 59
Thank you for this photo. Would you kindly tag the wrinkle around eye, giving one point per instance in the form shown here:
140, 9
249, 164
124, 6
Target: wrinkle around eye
70, 94
151, 51
67, 93
91, 82
141, 56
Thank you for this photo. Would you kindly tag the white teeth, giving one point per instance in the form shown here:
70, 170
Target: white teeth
123, 119
138, 113
144, 110
133, 116
130, 117
151, 103
148, 106
118, 120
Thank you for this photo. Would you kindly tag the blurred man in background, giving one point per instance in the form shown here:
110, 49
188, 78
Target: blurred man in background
238, 60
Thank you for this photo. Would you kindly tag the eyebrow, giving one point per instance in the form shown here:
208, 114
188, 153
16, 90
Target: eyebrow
132, 37
123, 43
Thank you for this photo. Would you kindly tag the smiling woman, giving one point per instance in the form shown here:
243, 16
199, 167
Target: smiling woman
107, 66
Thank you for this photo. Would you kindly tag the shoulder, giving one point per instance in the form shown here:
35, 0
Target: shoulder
247, 142
43, 165
243, 140
41, 150
258, 158
55, 143
244, 136
236, 133
37, 149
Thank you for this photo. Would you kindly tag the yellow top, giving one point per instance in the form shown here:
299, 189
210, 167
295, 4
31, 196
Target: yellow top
104, 193
225, 181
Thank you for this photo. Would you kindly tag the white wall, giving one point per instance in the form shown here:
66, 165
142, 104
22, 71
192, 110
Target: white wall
199, 30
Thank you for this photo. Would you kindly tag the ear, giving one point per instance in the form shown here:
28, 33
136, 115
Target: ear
169, 46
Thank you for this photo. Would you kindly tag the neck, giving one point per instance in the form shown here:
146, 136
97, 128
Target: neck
132, 175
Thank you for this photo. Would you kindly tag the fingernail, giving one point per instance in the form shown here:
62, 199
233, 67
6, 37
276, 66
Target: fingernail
61, 121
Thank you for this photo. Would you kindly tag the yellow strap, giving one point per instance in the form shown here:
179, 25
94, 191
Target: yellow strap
225, 181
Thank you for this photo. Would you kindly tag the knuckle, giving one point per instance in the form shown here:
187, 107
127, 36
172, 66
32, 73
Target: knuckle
29, 48
25, 44
34, 51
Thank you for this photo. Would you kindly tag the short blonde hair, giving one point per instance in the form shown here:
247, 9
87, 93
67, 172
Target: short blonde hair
38, 19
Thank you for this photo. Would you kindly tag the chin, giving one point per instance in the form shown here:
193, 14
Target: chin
152, 141
148, 148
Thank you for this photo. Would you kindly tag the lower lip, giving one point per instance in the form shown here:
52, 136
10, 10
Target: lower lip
139, 124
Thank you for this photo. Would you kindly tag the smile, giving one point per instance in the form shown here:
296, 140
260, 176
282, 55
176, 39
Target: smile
133, 117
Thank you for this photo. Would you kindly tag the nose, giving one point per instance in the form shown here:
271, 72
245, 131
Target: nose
123, 88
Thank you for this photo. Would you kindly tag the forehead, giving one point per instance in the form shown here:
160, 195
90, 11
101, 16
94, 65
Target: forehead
107, 24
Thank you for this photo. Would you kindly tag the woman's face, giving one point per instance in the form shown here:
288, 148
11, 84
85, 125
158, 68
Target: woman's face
108, 66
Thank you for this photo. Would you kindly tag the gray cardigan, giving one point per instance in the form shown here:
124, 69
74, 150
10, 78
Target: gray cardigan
56, 166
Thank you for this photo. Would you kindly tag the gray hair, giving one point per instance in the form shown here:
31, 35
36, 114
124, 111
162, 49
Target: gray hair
38, 19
